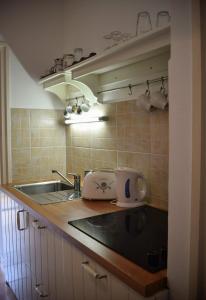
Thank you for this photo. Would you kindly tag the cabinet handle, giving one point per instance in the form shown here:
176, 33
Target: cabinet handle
89, 270
36, 225
39, 292
19, 222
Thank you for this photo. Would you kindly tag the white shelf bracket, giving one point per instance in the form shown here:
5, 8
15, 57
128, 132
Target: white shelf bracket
84, 89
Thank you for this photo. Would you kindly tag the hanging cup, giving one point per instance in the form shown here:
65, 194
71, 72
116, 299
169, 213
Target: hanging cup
159, 100
69, 109
144, 100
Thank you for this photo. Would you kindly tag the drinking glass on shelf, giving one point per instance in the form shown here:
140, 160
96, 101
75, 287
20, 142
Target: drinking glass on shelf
143, 23
126, 37
78, 53
109, 40
68, 60
58, 64
163, 18
117, 37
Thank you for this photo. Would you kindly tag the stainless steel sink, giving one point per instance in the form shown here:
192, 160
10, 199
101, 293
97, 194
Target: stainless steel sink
43, 187
47, 192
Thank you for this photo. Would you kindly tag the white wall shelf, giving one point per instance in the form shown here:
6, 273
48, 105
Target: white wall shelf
86, 76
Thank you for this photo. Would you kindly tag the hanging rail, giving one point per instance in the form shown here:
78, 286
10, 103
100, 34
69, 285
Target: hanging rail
74, 98
130, 86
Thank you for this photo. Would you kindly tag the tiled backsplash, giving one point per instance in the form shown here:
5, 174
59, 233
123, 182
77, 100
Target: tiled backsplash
38, 143
132, 137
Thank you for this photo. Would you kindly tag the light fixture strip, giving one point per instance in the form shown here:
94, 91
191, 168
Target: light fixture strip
86, 120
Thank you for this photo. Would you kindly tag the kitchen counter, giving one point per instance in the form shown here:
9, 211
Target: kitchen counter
56, 217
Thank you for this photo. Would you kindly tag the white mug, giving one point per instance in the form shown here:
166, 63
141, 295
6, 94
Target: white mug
85, 107
159, 100
144, 102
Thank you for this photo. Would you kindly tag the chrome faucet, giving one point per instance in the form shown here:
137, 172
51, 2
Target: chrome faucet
61, 175
77, 181
76, 185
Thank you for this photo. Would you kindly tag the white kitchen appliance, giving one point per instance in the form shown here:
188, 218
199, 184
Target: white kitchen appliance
99, 185
128, 190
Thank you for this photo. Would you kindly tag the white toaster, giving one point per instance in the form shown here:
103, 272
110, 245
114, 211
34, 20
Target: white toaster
99, 185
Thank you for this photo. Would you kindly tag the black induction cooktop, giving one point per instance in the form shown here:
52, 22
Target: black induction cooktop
139, 234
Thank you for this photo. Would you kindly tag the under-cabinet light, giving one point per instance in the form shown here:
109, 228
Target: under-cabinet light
85, 120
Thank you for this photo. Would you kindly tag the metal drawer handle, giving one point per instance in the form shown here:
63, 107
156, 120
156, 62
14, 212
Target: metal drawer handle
39, 292
89, 270
36, 225
19, 222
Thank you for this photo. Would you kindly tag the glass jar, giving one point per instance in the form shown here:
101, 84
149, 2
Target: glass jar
68, 60
78, 53
58, 64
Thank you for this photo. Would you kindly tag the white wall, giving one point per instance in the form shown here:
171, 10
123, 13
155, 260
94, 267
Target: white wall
86, 22
25, 92
33, 30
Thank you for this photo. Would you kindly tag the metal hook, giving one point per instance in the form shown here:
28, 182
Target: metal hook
130, 89
148, 88
162, 88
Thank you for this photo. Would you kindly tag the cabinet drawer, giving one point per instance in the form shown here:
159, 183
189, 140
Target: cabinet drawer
93, 282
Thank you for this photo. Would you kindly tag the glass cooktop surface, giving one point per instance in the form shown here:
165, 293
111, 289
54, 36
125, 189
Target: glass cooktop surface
139, 234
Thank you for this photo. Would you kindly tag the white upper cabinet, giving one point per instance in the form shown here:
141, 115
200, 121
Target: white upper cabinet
130, 63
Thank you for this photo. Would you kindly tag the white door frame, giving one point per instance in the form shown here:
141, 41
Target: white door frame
185, 150
5, 119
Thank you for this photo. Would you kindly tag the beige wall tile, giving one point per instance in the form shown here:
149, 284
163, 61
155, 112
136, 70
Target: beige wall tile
159, 140
138, 161
38, 143
21, 157
104, 143
159, 176
104, 131
127, 107
69, 159
103, 159
159, 118
84, 153
81, 142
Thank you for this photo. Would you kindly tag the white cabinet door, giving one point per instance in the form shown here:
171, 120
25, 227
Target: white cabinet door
59, 267
91, 282
67, 280
52, 274
77, 274
51, 263
38, 249
14, 225
119, 290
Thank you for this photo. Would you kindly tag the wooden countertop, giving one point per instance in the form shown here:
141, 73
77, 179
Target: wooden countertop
56, 217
